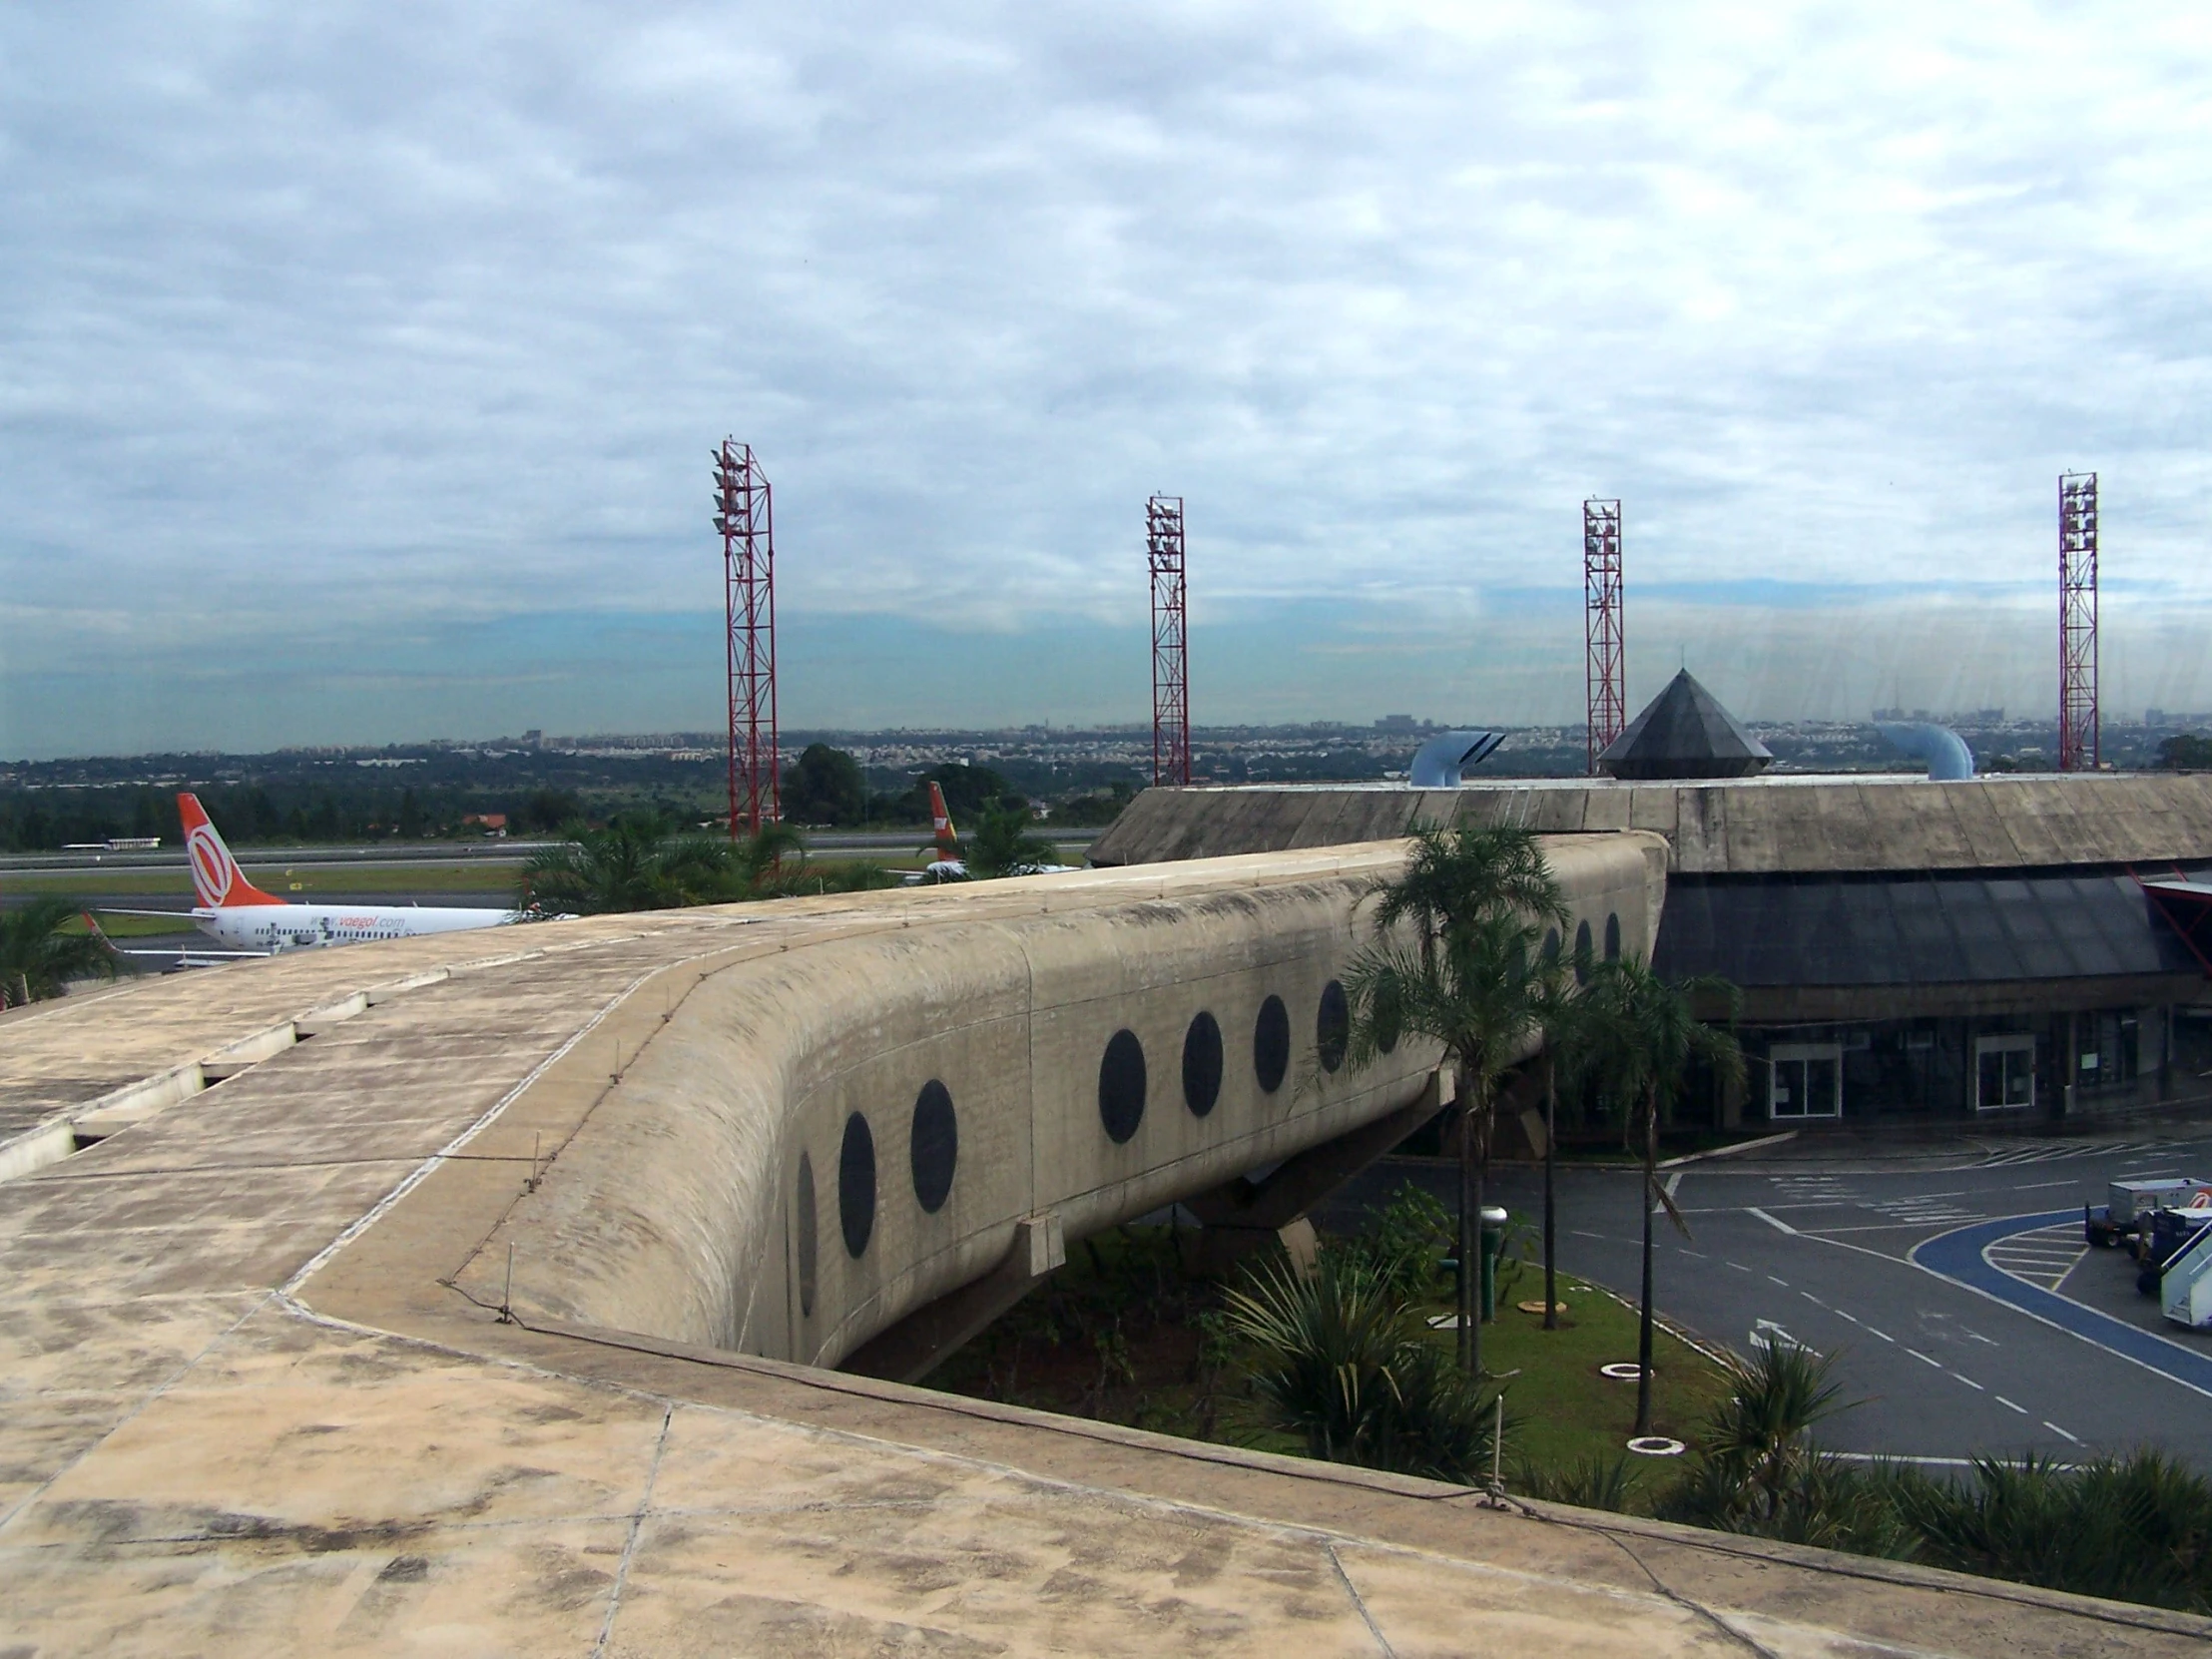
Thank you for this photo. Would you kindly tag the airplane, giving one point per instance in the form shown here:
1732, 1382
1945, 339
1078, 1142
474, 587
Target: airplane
948, 866
235, 912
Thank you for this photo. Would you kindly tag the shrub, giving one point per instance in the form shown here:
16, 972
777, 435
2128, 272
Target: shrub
1341, 1362
1590, 1482
1404, 1246
2134, 1528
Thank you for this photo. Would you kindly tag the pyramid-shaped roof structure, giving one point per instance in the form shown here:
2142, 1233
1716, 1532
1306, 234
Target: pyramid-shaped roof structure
1684, 733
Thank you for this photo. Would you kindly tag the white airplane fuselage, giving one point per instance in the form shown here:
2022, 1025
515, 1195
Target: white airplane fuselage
311, 926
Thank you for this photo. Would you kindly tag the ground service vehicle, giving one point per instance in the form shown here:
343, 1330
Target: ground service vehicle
2165, 1235
2130, 1200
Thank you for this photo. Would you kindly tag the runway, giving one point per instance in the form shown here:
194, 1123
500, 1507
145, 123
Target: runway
1949, 1355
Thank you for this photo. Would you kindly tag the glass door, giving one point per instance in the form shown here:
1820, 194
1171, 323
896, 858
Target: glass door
1805, 1080
2005, 1073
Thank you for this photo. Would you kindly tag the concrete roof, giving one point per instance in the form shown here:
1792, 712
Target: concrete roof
1750, 825
243, 1408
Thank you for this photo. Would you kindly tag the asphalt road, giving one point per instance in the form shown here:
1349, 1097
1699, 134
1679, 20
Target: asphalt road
2045, 1347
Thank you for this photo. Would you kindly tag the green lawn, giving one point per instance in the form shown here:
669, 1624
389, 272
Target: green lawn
1560, 1410
1120, 1335
132, 928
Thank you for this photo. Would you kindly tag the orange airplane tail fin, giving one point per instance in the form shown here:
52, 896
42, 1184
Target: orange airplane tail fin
217, 880
940, 822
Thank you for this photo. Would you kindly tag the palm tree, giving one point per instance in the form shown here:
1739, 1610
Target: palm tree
1639, 1037
1476, 896
38, 959
1004, 845
1340, 1362
639, 864
1455, 875
1476, 991
757, 860
1560, 1018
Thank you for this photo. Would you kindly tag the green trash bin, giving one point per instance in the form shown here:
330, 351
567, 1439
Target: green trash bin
1493, 1243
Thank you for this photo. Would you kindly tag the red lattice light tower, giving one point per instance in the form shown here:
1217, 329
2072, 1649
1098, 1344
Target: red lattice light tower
2079, 738
746, 520
1605, 665
1171, 683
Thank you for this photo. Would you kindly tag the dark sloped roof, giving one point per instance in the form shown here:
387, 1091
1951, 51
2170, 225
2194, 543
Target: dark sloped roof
1684, 733
1764, 933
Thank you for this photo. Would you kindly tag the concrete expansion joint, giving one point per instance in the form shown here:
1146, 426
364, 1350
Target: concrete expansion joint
1358, 1605
1691, 1605
71, 1129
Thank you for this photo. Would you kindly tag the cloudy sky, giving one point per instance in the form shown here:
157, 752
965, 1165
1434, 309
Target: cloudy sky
360, 364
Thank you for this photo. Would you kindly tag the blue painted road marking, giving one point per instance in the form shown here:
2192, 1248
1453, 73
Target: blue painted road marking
1956, 1255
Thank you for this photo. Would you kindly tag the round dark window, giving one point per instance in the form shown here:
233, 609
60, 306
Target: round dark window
807, 1276
1120, 1086
857, 1185
1332, 1028
1612, 938
1582, 952
934, 1146
1388, 1016
1202, 1064
1270, 1044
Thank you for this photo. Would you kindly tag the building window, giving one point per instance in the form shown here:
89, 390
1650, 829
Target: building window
2005, 1073
2111, 1048
1805, 1080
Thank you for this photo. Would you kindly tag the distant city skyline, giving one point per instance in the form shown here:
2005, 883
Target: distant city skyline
357, 377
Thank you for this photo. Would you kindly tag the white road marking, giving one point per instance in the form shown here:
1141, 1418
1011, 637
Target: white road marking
1923, 1359
1784, 1283
1885, 1226
1814, 1300
2002, 1400
1884, 1334
1674, 1183
2056, 1430
1699, 1254
1778, 1226
2051, 1152
2042, 1258
1738, 1266
1970, 1381
1853, 1318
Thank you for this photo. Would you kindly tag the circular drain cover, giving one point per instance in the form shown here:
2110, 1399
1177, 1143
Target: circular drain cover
1620, 1371
1537, 1306
1655, 1445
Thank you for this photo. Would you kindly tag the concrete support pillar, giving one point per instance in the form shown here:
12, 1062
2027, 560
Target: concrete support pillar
1243, 1216
907, 1351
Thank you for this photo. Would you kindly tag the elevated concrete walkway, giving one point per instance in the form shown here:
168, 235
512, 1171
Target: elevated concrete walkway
259, 1396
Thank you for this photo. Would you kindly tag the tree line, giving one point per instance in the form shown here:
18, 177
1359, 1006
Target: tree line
256, 814
825, 788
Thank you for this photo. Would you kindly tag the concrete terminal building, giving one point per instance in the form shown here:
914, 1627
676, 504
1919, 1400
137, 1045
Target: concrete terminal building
1909, 952
478, 1294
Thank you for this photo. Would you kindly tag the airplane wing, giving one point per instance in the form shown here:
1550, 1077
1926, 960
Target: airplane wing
186, 956
191, 958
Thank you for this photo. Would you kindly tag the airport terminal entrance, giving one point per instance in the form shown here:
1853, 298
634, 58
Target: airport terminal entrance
1805, 1080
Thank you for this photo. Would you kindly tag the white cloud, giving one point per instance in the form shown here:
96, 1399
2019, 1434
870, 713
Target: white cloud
396, 315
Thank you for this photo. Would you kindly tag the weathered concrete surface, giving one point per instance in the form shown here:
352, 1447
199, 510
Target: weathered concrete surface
243, 1408
1742, 826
